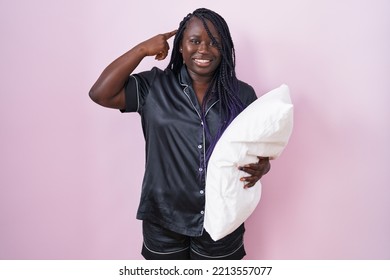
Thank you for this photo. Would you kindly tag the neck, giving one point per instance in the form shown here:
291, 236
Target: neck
200, 88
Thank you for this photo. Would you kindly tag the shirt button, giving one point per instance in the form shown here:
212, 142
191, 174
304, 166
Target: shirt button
199, 146
202, 212
200, 169
201, 192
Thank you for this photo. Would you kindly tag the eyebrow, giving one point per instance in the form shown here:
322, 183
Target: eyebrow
195, 35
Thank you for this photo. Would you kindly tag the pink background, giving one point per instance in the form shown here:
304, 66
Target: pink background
70, 171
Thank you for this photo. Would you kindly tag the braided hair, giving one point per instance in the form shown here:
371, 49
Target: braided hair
225, 82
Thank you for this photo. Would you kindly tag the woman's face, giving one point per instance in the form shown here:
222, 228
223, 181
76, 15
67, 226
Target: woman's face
200, 55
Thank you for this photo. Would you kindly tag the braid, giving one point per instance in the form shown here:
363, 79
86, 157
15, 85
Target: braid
176, 61
225, 82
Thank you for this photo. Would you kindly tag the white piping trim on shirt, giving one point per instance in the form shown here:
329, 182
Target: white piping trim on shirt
217, 257
165, 253
136, 85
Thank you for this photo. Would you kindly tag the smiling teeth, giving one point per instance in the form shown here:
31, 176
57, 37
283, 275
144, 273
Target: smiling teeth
202, 60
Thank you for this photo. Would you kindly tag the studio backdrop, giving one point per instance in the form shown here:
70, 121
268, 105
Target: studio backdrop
71, 171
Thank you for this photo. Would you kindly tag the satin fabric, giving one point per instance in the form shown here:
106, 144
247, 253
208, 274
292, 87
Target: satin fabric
173, 188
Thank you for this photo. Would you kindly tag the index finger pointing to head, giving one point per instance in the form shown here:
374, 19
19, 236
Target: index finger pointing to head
170, 34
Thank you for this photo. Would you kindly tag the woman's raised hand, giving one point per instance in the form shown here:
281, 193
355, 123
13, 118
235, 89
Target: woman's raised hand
158, 45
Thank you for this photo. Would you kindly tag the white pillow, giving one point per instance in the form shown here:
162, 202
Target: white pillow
262, 129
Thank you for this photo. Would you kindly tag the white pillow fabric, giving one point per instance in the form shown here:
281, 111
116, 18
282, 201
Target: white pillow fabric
262, 129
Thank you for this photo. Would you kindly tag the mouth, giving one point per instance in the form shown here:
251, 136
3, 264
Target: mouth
202, 62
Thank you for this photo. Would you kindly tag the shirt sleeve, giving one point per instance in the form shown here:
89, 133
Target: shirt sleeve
137, 88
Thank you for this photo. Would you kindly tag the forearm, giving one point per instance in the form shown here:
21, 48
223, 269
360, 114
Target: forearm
108, 90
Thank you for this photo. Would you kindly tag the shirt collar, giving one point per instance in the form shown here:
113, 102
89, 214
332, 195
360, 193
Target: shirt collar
185, 80
184, 77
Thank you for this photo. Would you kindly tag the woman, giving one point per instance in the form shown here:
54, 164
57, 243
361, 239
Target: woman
184, 110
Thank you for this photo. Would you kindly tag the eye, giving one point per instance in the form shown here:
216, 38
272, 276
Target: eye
195, 41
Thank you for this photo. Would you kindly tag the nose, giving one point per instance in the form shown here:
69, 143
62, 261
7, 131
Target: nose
203, 47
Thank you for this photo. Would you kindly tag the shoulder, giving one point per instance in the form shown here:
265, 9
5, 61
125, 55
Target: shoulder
246, 92
154, 73
152, 76
245, 88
